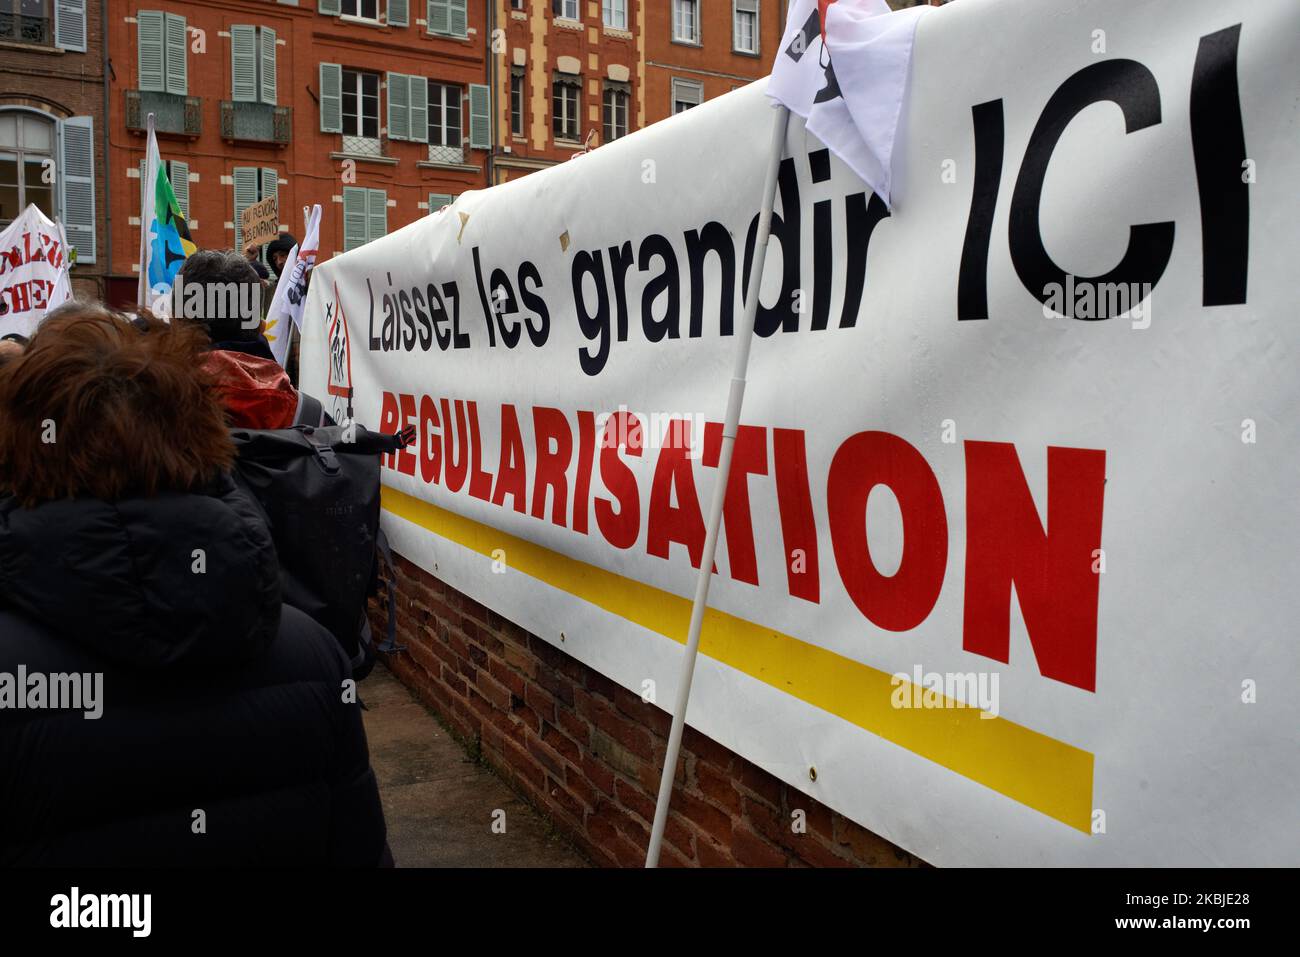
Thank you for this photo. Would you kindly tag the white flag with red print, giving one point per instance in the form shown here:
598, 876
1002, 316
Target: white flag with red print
852, 104
285, 311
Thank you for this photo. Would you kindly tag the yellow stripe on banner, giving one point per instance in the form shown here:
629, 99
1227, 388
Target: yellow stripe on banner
1038, 771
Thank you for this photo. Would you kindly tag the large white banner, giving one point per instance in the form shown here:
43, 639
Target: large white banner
1026, 441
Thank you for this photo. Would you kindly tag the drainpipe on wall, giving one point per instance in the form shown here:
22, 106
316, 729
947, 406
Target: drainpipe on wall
492, 94
108, 179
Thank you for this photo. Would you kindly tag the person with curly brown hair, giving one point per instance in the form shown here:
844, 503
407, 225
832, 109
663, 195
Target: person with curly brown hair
224, 729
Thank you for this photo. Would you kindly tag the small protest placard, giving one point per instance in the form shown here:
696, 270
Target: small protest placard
261, 222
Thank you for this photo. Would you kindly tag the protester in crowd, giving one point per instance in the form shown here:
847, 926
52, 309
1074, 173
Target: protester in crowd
204, 723
11, 347
277, 252
255, 389
254, 260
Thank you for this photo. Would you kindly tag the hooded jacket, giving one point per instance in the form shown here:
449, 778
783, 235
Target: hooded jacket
254, 388
224, 736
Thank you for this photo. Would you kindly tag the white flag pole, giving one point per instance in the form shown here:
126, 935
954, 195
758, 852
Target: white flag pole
735, 397
147, 201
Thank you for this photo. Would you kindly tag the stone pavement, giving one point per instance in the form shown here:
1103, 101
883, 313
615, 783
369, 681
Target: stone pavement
438, 802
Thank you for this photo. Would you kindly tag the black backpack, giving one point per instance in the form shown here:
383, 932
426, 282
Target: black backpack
319, 490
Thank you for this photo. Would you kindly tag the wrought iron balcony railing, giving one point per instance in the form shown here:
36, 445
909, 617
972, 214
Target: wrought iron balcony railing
371, 146
256, 122
451, 155
172, 112
16, 28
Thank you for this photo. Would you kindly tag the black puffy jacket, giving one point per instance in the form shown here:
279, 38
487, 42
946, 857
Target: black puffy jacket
215, 699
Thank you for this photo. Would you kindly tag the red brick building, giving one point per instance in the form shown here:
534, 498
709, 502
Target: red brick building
52, 131
565, 75
699, 49
574, 73
373, 108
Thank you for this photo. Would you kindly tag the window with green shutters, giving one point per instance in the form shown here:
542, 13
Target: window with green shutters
408, 107
77, 184
356, 227
243, 63
252, 64
398, 10
377, 201
331, 98
399, 106
448, 17
177, 71
70, 25
149, 50
363, 9
365, 215
419, 124
480, 116
246, 194
266, 76
439, 200
178, 174
252, 184
161, 47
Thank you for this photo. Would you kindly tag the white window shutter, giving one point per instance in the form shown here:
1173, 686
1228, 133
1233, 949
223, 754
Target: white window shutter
70, 25
149, 49
243, 63
331, 98
178, 174
459, 18
398, 13
177, 48
77, 162
268, 66
399, 106
354, 217
438, 15
329, 8
377, 213
480, 116
245, 178
419, 109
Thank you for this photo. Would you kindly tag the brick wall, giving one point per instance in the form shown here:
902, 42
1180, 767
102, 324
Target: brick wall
61, 84
587, 752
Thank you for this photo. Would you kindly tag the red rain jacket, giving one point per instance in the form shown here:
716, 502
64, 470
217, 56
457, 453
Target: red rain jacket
256, 392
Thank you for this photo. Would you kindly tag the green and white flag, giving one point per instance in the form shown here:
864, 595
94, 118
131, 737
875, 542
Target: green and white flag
164, 235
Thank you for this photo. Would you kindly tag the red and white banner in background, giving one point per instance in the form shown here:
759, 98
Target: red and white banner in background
33, 271
1009, 555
